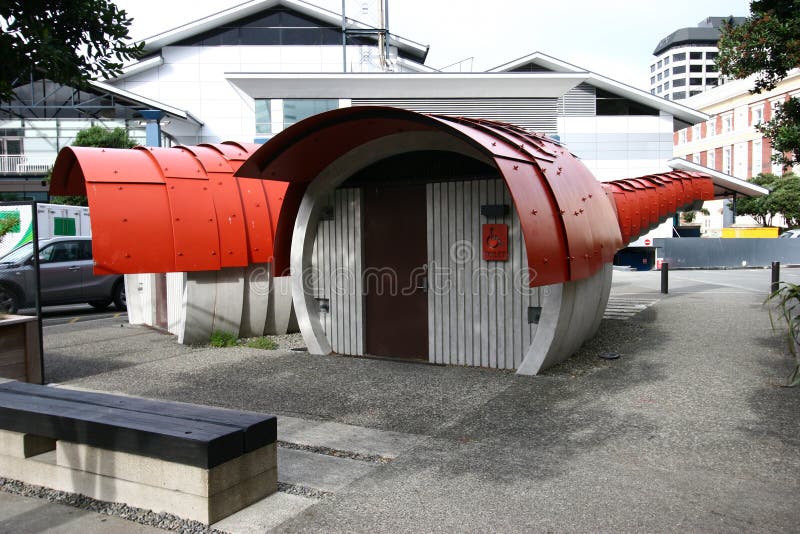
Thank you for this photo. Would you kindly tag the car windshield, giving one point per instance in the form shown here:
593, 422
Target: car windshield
18, 255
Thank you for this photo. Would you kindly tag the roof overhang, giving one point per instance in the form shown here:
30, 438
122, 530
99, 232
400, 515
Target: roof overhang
404, 85
159, 41
725, 185
149, 102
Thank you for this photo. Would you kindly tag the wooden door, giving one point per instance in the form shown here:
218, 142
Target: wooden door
395, 271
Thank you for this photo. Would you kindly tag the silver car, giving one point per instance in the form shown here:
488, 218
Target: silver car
65, 266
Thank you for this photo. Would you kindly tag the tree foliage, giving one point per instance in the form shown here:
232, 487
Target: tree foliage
783, 199
67, 41
767, 45
8, 222
96, 136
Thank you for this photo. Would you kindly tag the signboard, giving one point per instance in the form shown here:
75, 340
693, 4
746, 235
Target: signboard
647, 242
495, 242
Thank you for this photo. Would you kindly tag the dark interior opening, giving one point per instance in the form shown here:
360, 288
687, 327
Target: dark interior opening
425, 166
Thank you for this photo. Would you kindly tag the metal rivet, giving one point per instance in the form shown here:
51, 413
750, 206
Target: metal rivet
116, 172
127, 255
590, 195
124, 220
576, 213
584, 199
213, 252
534, 212
177, 218
516, 167
545, 260
180, 253
120, 188
563, 212
210, 220
205, 189
581, 210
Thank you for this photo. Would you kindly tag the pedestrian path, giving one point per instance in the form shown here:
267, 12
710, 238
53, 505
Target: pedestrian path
623, 308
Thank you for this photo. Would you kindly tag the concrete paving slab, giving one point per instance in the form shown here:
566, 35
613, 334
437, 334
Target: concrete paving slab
319, 471
265, 515
29, 515
367, 441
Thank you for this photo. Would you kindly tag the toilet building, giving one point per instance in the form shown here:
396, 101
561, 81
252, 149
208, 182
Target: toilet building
451, 240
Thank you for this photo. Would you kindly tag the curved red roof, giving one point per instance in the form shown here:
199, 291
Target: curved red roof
171, 209
570, 228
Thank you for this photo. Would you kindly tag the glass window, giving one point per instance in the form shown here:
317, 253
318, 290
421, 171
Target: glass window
692, 93
652, 80
711, 160
758, 115
666, 85
695, 68
726, 160
682, 136
757, 157
727, 123
263, 116
666, 60
679, 82
653, 67
711, 67
695, 55
660, 64
679, 70
659, 76
678, 95
666, 73
297, 109
695, 81
658, 89
711, 55
711, 127
679, 57
712, 82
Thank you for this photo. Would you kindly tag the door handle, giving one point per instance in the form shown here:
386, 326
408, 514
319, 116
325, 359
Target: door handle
73, 268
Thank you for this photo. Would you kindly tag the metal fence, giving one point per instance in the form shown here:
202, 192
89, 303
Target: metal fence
699, 252
23, 165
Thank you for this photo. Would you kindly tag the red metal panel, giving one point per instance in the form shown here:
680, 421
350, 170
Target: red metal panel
224, 191
175, 162
260, 236
541, 223
130, 228
211, 159
275, 192
194, 225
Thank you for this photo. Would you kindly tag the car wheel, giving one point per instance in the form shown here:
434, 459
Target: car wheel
9, 301
119, 296
99, 304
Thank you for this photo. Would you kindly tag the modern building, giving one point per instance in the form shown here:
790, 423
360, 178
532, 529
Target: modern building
684, 63
729, 141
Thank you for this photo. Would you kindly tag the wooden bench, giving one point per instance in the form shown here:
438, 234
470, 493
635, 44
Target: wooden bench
193, 461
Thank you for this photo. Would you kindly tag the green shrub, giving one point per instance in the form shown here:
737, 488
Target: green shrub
222, 339
265, 343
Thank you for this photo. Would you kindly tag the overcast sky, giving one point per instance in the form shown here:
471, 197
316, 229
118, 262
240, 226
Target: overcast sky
615, 38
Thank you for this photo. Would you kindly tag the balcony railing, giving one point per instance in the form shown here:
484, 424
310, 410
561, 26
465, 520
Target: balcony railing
24, 165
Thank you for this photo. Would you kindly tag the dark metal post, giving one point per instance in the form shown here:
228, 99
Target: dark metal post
35, 226
665, 278
776, 276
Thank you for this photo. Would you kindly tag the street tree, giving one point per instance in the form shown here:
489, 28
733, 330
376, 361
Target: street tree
758, 207
767, 45
66, 41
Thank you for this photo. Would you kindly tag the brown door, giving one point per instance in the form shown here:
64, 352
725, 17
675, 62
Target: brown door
395, 271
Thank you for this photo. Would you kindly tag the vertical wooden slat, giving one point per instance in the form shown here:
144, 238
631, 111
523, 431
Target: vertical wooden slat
509, 323
469, 214
452, 355
459, 273
429, 227
358, 271
483, 284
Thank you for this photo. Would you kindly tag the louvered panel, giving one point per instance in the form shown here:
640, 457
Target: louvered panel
580, 101
477, 310
336, 264
533, 114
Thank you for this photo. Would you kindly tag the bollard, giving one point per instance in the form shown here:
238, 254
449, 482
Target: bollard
776, 276
665, 278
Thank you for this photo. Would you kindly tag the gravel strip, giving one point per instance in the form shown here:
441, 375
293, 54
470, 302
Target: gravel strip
139, 515
289, 341
372, 458
303, 491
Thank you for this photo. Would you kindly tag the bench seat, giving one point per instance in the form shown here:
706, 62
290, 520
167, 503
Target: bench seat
194, 461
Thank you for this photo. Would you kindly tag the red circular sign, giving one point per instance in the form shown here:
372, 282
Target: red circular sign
647, 242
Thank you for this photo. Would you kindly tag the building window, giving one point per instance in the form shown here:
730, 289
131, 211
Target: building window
658, 89
727, 123
679, 70
757, 157
652, 80
711, 128
652, 91
696, 158
666, 73
660, 64
696, 132
758, 115
263, 116
712, 82
666, 60
679, 57
695, 81
653, 67
695, 68
11, 146
695, 55
678, 95
726, 160
297, 109
658, 77
692, 93
680, 82
711, 55
711, 67
682, 136
710, 159
666, 85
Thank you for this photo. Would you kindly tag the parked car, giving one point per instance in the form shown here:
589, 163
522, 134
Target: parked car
790, 234
65, 267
